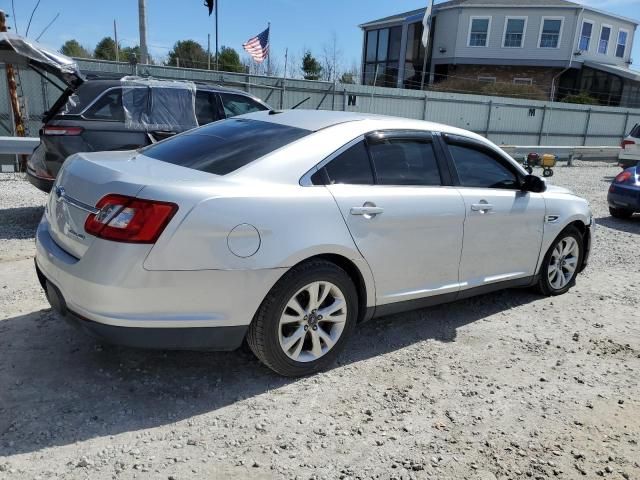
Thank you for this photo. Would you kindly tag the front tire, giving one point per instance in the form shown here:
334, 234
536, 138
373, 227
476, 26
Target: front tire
562, 263
620, 212
305, 320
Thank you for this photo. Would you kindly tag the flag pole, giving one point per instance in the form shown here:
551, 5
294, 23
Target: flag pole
217, 64
269, 52
426, 36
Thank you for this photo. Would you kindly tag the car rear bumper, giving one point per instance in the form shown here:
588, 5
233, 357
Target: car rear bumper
44, 184
109, 294
622, 196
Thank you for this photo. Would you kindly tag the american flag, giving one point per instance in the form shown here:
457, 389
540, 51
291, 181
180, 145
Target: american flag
258, 47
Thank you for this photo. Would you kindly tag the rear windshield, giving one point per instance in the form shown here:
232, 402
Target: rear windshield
224, 146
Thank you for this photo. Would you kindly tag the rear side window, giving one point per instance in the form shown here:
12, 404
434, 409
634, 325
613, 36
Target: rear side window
351, 167
206, 108
405, 162
635, 131
107, 107
239, 104
224, 146
478, 168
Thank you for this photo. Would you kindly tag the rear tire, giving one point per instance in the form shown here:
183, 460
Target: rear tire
547, 172
561, 264
620, 212
293, 334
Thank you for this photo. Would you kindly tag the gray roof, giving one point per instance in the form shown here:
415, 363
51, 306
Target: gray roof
482, 3
313, 120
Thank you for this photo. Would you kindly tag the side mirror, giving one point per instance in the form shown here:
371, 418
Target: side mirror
533, 183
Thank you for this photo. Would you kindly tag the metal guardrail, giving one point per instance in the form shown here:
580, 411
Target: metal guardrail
18, 145
603, 153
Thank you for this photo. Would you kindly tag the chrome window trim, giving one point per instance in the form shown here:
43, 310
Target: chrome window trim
305, 180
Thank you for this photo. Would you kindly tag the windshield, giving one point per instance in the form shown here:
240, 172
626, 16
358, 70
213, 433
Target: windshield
224, 146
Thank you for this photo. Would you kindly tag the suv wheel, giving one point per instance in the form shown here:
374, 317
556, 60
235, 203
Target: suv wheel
305, 320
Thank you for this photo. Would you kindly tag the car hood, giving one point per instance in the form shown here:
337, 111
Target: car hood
22, 52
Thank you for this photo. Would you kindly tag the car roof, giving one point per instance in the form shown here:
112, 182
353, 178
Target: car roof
100, 83
315, 120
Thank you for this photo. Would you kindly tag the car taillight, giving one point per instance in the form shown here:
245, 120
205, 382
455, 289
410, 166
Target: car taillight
623, 177
61, 131
129, 219
627, 142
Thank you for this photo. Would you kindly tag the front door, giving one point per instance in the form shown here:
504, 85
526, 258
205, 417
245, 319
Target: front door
406, 224
504, 225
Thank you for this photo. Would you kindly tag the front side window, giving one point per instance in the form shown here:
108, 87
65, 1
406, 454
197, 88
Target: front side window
108, 107
550, 33
481, 169
514, 32
239, 104
405, 162
603, 44
622, 43
585, 36
222, 147
351, 167
479, 31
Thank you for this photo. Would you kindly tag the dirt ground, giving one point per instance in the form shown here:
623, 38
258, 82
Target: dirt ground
508, 385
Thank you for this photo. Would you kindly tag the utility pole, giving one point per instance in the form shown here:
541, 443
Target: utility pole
208, 51
18, 120
115, 35
269, 52
217, 53
142, 22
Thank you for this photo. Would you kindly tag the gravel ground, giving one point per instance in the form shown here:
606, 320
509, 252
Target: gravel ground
508, 385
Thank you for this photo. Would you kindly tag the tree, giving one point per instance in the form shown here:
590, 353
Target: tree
127, 52
72, 48
105, 49
331, 59
311, 68
347, 77
188, 54
229, 61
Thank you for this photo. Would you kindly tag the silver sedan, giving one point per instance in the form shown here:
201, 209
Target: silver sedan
289, 228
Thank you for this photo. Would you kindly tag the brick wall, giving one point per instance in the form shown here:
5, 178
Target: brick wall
541, 76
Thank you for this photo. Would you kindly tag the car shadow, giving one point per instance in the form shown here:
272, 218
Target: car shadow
19, 222
60, 387
631, 225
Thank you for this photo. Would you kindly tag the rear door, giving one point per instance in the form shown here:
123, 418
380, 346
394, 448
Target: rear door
504, 225
104, 125
403, 218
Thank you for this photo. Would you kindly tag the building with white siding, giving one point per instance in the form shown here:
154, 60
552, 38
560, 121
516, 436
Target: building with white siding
561, 47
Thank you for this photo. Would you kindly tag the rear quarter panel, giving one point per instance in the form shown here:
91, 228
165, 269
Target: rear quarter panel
294, 223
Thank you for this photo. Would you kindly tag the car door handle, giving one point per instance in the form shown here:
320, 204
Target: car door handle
366, 210
481, 207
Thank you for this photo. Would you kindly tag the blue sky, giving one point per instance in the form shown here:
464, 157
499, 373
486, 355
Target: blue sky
296, 24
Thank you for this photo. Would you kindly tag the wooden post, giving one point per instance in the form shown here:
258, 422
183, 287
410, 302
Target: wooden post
18, 119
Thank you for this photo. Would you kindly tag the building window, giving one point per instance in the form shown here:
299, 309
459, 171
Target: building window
585, 35
622, 43
522, 81
550, 32
514, 28
479, 31
487, 79
414, 56
382, 54
603, 44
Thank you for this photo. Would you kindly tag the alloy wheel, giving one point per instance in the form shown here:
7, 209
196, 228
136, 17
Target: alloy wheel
563, 263
312, 321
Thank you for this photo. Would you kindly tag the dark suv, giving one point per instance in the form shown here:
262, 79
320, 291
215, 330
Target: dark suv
92, 118
118, 114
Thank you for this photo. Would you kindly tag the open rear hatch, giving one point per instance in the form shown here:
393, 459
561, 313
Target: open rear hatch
22, 52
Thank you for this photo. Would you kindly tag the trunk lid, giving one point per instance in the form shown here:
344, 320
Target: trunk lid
87, 177
22, 52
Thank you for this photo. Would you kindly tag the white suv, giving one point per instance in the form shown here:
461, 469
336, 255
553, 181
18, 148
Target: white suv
629, 156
